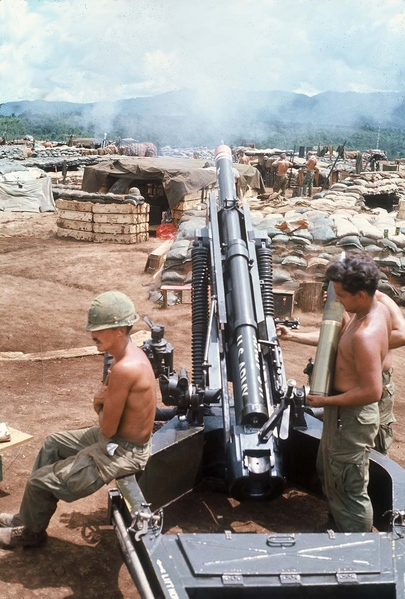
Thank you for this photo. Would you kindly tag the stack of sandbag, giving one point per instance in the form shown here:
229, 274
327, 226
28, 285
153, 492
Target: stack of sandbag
307, 233
177, 267
146, 149
107, 150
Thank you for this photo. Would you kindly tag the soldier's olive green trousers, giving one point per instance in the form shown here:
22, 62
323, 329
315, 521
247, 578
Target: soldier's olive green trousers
280, 183
72, 465
385, 435
343, 464
308, 183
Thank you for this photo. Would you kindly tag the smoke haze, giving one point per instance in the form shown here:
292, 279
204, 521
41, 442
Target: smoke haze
103, 50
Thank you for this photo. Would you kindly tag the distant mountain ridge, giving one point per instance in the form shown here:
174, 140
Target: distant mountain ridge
384, 109
190, 117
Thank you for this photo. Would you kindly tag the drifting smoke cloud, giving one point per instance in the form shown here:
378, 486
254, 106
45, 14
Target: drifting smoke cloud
101, 52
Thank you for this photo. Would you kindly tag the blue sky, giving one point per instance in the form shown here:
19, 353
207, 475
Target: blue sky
91, 50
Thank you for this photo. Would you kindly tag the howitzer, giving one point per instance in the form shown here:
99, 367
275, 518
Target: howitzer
239, 419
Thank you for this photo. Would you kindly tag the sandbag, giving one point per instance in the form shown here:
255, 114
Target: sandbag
177, 253
323, 234
344, 227
280, 276
280, 238
350, 241
295, 260
172, 277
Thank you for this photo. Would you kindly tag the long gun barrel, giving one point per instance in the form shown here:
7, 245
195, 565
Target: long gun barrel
250, 402
236, 356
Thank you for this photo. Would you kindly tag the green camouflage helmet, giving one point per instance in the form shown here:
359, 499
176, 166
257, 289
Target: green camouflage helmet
111, 310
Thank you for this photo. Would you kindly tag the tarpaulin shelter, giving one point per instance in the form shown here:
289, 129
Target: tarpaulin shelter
24, 190
178, 176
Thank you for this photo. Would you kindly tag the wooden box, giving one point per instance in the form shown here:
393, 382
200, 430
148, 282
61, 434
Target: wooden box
283, 303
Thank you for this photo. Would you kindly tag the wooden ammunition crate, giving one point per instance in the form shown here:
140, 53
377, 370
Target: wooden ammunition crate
113, 223
157, 257
182, 291
62, 204
120, 238
283, 303
73, 234
121, 209
76, 225
76, 215
127, 219
121, 229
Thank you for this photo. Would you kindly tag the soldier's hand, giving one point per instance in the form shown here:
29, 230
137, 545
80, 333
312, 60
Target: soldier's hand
282, 331
316, 401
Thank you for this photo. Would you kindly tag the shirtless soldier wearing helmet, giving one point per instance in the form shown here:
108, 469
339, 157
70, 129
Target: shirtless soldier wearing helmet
74, 464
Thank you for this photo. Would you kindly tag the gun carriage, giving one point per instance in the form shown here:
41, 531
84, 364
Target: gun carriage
241, 420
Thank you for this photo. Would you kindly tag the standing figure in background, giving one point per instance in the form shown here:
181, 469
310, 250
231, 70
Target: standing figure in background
385, 435
242, 158
261, 165
282, 164
308, 182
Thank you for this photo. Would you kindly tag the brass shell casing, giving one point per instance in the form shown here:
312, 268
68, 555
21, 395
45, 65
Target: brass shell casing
324, 367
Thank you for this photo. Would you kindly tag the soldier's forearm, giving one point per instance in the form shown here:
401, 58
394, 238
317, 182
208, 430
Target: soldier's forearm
303, 338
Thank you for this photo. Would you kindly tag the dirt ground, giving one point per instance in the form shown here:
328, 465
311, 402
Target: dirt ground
47, 285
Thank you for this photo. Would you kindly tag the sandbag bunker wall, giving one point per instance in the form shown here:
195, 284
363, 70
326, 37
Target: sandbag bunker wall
114, 223
189, 202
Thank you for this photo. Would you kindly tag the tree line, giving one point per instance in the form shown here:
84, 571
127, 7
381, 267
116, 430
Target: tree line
179, 132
